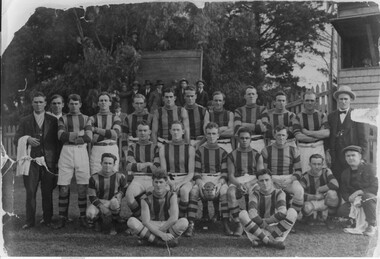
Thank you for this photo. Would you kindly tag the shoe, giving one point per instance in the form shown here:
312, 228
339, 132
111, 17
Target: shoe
276, 244
98, 226
214, 219
27, 226
330, 223
69, 220
239, 230
190, 230
226, 228
61, 223
370, 231
83, 222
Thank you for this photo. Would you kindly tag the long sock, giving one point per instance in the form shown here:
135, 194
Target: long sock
182, 208
82, 205
235, 213
254, 229
63, 205
136, 209
224, 209
283, 226
193, 210
146, 234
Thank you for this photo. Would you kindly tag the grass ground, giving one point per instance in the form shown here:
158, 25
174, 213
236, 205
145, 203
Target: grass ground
309, 241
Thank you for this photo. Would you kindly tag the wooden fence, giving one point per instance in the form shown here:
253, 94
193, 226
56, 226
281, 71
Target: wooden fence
7, 136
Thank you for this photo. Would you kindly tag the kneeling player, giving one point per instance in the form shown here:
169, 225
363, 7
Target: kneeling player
105, 191
321, 189
159, 214
177, 158
267, 221
210, 168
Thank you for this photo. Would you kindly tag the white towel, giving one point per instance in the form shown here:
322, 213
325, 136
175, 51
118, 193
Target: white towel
23, 156
357, 212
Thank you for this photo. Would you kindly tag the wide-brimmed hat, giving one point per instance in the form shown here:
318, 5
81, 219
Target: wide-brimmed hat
148, 82
183, 79
200, 81
352, 148
344, 89
160, 82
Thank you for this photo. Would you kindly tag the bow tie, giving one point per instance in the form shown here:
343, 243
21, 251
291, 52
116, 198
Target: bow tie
344, 112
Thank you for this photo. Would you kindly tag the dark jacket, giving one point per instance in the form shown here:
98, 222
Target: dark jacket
202, 98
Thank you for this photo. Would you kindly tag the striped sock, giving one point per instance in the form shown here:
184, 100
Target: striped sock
63, 205
225, 211
146, 234
82, 205
182, 208
235, 213
136, 209
283, 226
254, 229
193, 210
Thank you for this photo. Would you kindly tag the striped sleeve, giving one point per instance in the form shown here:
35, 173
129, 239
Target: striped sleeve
116, 127
264, 154
296, 124
198, 165
224, 168
123, 184
280, 213
237, 119
63, 135
332, 182
253, 208
92, 192
296, 163
87, 137
131, 161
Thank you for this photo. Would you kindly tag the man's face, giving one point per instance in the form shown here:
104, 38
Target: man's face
265, 183
353, 158
183, 84
39, 104
57, 105
143, 132
74, 106
159, 186
309, 102
280, 102
124, 88
190, 97
244, 139
200, 86
147, 87
107, 165
218, 101
135, 87
177, 132
169, 99
138, 104
281, 136
118, 110
344, 101
316, 165
250, 96
212, 135
104, 103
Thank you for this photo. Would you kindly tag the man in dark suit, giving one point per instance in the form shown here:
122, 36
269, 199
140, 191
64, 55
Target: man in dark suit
131, 94
180, 92
202, 95
147, 90
344, 131
41, 129
155, 99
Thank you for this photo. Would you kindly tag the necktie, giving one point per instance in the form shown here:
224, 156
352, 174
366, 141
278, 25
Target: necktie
342, 112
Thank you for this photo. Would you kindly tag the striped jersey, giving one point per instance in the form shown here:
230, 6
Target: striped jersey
71, 124
270, 206
210, 159
132, 121
286, 118
244, 162
221, 118
177, 157
196, 118
311, 183
250, 114
109, 125
315, 121
282, 161
165, 118
158, 207
106, 187
141, 153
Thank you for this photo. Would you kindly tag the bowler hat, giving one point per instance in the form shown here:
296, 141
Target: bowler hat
352, 148
344, 89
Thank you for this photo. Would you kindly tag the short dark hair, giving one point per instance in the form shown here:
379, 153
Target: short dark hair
74, 97
105, 93
190, 88
177, 122
249, 87
316, 156
309, 92
167, 90
143, 123
244, 130
55, 96
39, 94
280, 93
139, 96
104, 155
262, 172
218, 93
212, 125
279, 127
160, 174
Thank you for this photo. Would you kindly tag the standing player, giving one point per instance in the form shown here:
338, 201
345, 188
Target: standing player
310, 128
210, 166
74, 133
164, 116
198, 116
267, 220
321, 189
142, 160
283, 160
242, 163
160, 224
177, 158
253, 117
106, 128
105, 191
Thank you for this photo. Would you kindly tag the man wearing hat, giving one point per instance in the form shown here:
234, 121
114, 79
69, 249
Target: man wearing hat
155, 98
343, 131
131, 95
146, 91
359, 186
202, 96
180, 92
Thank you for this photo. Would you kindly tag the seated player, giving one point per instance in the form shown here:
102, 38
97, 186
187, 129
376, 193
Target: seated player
210, 166
267, 221
105, 191
321, 189
359, 184
159, 224
283, 160
177, 158
142, 160
242, 164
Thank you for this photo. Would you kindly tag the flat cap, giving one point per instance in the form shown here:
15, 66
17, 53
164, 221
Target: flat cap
352, 148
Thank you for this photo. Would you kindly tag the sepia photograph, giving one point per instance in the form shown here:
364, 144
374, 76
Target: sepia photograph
189, 128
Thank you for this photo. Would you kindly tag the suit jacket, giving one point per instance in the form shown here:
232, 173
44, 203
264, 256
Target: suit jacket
155, 101
180, 97
50, 145
143, 92
353, 133
202, 98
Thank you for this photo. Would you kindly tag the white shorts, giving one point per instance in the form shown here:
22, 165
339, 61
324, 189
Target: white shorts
143, 180
73, 158
244, 179
308, 149
98, 151
213, 179
279, 181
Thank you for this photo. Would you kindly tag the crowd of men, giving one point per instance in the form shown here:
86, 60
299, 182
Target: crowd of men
172, 152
